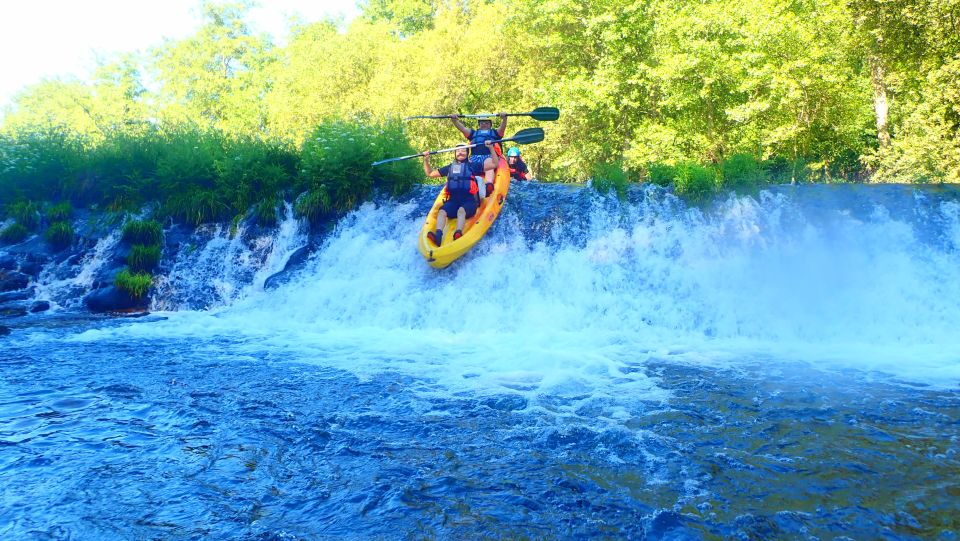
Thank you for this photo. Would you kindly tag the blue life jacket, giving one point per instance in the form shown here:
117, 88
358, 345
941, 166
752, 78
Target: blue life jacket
480, 137
460, 182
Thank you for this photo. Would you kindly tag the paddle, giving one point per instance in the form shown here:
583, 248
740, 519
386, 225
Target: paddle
540, 113
522, 137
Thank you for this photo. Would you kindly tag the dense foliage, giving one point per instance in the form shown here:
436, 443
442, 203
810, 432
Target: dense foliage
704, 96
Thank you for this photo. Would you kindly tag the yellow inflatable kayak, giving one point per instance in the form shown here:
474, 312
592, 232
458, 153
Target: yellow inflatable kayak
475, 227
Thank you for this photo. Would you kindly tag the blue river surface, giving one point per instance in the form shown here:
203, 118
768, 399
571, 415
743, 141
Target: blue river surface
175, 439
782, 365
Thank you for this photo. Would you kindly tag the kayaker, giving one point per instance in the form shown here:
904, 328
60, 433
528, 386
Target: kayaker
461, 191
518, 168
481, 155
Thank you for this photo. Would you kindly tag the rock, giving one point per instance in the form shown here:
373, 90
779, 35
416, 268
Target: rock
18, 295
4, 331
13, 309
12, 280
8, 262
112, 299
32, 268
39, 306
104, 277
296, 260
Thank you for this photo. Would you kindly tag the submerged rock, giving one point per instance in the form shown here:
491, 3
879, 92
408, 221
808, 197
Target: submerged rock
113, 299
4, 331
12, 280
18, 295
8, 262
13, 309
39, 306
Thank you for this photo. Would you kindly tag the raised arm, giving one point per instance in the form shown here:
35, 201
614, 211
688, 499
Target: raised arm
459, 125
502, 128
427, 170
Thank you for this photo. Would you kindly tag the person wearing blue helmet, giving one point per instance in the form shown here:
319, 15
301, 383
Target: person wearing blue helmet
482, 155
518, 168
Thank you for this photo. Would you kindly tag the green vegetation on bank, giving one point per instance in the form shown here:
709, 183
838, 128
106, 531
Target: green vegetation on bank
706, 96
136, 284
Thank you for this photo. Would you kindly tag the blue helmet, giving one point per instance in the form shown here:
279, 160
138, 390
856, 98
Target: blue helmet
514, 151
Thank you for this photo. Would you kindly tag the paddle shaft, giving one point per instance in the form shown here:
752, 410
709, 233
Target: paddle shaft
529, 135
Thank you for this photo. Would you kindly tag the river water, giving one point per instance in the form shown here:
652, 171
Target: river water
784, 365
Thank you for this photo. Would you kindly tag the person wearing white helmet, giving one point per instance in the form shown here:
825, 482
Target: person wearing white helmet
483, 155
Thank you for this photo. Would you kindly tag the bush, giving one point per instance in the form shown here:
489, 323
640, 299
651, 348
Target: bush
694, 182
610, 176
742, 173
59, 234
135, 284
314, 205
143, 258
661, 174
265, 212
196, 207
338, 156
252, 170
146, 232
13, 234
60, 212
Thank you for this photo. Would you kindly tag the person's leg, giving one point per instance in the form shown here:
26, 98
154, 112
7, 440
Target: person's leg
489, 172
461, 217
441, 219
437, 236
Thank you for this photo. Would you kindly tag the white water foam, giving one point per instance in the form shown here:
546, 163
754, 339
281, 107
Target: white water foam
227, 266
757, 279
68, 291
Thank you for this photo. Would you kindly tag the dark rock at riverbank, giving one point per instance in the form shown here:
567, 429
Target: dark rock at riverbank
8, 262
13, 309
113, 299
18, 295
295, 262
13, 280
39, 306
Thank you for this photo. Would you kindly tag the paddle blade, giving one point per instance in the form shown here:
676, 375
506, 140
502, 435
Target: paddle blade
527, 136
545, 113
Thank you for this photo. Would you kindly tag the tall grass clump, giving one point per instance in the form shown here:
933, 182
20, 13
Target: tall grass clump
694, 182
25, 213
60, 212
13, 233
142, 232
335, 165
143, 258
742, 173
135, 284
59, 234
607, 176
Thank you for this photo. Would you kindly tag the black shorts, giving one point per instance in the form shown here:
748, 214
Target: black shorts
469, 204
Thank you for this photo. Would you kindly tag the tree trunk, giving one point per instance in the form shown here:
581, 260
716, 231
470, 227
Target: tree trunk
881, 105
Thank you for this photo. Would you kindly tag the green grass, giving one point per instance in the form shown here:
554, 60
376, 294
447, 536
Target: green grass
694, 182
60, 212
610, 176
25, 213
13, 233
143, 258
135, 284
59, 234
146, 232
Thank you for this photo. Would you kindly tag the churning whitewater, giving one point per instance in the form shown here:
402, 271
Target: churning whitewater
777, 366
572, 287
